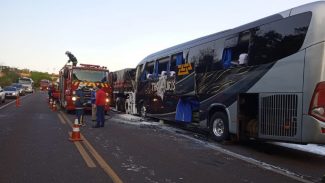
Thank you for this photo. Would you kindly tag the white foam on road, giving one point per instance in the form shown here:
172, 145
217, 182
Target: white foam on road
135, 120
311, 148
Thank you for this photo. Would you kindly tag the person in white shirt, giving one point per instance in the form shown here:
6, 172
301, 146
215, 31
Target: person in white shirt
243, 59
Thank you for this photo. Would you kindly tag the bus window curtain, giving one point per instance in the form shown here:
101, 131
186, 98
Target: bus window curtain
156, 69
226, 58
168, 67
179, 59
144, 76
184, 109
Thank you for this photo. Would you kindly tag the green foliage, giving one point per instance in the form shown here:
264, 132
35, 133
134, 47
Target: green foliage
38, 76
8, 77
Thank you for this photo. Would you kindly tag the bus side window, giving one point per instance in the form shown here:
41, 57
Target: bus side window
176, 60
236, 50
149, 70
163, 66
173, 64
283, 38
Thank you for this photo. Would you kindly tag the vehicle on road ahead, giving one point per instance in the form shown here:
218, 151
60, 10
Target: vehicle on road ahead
122, 83
90, 76
27, 83
44, 84
2, 95
11, 92
20, 88
263, 80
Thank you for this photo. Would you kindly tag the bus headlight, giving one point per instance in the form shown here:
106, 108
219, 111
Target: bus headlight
107, 100
74, 92
74, 98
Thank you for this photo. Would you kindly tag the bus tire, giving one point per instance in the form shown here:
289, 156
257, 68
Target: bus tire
143, 111
126, 106
219, 128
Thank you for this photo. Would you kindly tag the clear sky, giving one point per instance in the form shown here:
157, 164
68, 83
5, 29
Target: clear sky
35, 34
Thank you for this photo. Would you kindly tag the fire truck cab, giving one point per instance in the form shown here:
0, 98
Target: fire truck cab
90, 76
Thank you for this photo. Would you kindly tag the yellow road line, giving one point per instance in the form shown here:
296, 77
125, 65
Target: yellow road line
102, 163
90, 163
66, 119
61, 119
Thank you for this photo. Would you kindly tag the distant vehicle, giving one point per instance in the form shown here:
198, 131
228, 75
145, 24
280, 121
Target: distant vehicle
11, 92
20, 88
44, 84
27, 83
2, 95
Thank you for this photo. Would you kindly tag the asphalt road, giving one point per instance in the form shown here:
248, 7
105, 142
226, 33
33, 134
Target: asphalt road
34, 147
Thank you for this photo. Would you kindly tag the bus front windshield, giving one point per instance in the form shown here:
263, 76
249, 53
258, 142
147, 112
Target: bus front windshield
87, 75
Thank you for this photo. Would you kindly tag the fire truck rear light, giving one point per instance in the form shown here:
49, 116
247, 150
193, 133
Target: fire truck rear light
323, 130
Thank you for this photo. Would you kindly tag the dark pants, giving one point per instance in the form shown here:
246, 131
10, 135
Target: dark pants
100, 114
80, 113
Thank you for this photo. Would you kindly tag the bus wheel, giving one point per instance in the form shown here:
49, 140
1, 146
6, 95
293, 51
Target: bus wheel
126, 106
143, 111
219, 126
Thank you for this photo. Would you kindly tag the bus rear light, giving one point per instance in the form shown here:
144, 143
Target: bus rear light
323, 130
317, 104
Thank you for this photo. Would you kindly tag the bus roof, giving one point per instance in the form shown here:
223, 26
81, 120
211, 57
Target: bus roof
179, 48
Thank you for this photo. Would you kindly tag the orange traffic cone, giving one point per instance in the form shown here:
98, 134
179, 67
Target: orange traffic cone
17, 102
75, 136
54, 106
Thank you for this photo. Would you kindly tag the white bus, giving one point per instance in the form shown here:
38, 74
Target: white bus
263, 80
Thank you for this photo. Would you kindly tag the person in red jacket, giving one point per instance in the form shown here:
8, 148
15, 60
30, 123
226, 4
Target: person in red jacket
100, 105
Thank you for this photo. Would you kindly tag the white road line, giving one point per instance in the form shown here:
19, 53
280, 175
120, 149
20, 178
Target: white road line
20, 98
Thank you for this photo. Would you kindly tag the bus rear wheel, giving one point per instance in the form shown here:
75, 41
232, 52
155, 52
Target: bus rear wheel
219, 126
143, 111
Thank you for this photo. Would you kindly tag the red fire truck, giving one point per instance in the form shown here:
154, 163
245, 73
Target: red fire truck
90, 76
44, 84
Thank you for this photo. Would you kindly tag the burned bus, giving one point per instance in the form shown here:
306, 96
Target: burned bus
263, 80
